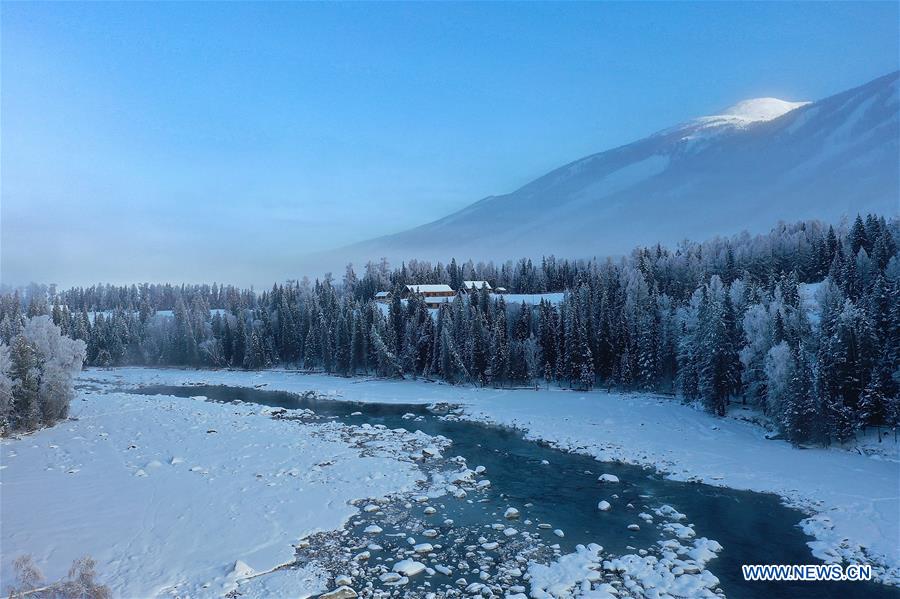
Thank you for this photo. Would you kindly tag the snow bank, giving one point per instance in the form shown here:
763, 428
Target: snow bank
861, 495
143, 483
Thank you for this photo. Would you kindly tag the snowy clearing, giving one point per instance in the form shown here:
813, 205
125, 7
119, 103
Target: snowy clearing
855, 498
173, 496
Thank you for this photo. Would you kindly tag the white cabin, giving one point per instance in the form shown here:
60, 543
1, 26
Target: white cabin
434, 295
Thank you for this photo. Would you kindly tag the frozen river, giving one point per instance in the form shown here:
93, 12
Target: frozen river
676, 536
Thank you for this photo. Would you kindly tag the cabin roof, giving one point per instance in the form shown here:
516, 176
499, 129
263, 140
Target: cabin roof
429, 288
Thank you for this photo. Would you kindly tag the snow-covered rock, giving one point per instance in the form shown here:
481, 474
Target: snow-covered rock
408, 567
343, 592
560, 578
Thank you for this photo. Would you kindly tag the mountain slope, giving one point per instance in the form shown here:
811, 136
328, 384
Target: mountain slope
760, 161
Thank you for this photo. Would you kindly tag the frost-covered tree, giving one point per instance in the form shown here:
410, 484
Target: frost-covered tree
358, 343
780, 369
873, 405
690, 347
718, 374
25, 372
388, 364
38, 372
534, 360
838, 419
799, 418
60, 360
499, 346
6, 388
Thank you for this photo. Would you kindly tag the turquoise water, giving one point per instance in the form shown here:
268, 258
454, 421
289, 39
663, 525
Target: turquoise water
753, 528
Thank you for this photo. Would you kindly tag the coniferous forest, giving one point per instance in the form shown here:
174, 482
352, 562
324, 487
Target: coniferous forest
802, 322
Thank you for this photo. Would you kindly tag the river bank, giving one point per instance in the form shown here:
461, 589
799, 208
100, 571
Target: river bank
853, 499
159, 476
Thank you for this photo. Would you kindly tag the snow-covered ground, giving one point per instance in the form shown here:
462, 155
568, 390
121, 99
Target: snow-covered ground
155, 478
855, 498
172, 496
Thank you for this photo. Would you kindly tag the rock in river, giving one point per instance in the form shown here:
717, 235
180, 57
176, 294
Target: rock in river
339, 593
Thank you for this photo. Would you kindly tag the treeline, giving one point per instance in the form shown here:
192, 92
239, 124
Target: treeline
551, 275
803, 322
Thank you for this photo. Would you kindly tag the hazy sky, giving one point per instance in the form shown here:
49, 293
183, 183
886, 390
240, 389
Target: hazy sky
219, 142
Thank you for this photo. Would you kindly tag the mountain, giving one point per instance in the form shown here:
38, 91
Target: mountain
756, 163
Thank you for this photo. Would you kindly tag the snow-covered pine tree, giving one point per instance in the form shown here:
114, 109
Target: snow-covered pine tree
6, 388
387, 363
534, 360
858, 238
479, 348
25, 374
873, 405
358, 353
342, 347
689, 347
799, 420
838, 419
781, 369
499, 356
718, 373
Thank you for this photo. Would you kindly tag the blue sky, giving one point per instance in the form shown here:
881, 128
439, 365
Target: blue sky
204, 141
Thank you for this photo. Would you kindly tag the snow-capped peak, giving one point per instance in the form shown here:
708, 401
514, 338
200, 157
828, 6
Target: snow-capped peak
740, 116
760, 109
